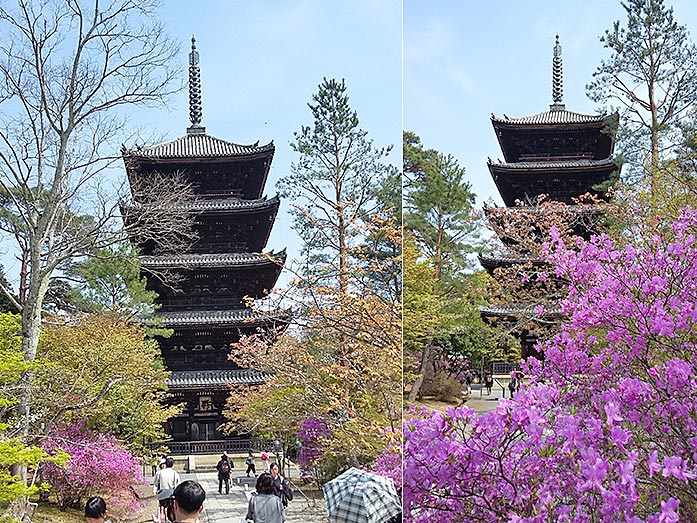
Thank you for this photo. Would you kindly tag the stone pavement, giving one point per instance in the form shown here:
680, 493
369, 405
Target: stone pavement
232, 507
480, 401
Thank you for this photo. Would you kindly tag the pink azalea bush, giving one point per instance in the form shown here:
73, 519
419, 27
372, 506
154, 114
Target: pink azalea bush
98, 465
606, 428
389, 461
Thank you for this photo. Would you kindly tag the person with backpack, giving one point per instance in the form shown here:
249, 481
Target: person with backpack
224, 467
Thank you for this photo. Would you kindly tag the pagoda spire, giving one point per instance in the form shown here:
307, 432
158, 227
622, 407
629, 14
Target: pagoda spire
557, 79
195, 107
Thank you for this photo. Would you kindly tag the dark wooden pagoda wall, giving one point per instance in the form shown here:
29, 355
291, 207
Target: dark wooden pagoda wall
211, 289
232, 233
206, 348
558, 145
218, 179
560, 186
200, 417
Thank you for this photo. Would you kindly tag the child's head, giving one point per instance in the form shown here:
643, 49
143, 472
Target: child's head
95, 509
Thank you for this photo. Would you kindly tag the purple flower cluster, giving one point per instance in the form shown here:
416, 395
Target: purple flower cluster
606, 428
314, 435
98, 465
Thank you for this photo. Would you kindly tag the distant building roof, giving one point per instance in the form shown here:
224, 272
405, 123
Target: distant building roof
215, 378
198, 146
213, 260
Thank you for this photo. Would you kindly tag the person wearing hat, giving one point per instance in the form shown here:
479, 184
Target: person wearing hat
156, 475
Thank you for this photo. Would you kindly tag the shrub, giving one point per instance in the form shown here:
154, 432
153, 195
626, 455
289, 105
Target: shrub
606, 429
98, 465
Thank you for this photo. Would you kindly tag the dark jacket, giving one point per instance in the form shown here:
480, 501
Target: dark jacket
219, 468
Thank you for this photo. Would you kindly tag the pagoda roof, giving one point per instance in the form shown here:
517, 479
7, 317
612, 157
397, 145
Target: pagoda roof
560, 180
510, 259
517, 311
582, 208
198, 146
230, 204
554, 165
184, 379
243, 259
236, 317
551, 117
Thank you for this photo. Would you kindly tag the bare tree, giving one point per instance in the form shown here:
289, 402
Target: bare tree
68, 68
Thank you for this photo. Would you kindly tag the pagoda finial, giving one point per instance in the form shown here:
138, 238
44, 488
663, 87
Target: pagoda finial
557, 79
195, 107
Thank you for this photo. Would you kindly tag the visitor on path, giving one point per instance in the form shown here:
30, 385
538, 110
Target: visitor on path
250, 464
489, 382
265, 461
468, 380
280, 485
224, 467
156, 475
188, 501
513, 384
263, 506
165, 483
95, 510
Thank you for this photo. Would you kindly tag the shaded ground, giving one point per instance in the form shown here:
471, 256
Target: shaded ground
478, 400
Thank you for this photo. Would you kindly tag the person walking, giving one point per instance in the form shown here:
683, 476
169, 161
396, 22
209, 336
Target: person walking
250, 464
161, 466
95, 510
513, 384
224, 467
263, 506
280, 485
265, 461
165, 482
489, 382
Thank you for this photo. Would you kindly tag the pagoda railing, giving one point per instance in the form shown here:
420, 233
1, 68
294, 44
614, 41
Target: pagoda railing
235, 446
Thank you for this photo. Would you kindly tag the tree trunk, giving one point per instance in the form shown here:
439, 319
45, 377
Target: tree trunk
21, 509
425, 356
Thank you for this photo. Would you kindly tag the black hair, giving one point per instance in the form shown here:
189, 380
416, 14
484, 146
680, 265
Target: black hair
95, 507
264, 483
190, 496
169, 463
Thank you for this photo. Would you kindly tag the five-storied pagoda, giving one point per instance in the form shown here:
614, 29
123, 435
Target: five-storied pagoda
558, 156
202, 294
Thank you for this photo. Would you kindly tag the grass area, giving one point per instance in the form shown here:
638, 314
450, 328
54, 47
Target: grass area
433, 404
50, 513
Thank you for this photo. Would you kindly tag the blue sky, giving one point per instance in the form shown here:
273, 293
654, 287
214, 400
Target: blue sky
466, 59
262, 61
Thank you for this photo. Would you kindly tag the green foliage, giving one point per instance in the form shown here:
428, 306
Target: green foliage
106, 370
12, 365
111, 281
652, 74
440, 210
333, 185
6, 304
